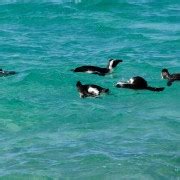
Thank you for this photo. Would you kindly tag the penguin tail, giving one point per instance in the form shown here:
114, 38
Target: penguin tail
155, 89
12, 72
106, 90
76, 70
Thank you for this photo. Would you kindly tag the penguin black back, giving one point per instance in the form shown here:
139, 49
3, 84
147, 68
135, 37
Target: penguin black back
138, 83
98, 70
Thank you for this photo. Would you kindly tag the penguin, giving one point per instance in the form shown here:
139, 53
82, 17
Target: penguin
90, 90
6, 73
170, 77
138, 83
99, 70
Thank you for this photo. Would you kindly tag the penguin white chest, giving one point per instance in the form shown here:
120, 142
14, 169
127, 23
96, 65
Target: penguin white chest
111, 65
90, 72
93, 91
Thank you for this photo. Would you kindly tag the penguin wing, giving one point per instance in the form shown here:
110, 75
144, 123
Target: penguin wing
176, 76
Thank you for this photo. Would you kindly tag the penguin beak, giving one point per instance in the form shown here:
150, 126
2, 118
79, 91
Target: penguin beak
119, 60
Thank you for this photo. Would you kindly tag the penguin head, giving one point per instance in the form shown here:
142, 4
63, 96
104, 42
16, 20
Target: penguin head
164, 73
80, 89
113, 63
78, 84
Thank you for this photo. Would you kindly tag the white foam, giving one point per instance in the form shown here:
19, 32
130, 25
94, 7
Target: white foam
81, 95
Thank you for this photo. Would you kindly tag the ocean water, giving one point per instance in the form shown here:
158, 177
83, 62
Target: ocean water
47, 131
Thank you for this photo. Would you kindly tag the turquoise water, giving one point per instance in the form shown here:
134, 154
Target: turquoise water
47, 131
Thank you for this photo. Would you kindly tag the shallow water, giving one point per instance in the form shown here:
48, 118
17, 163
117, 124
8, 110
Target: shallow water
47, 131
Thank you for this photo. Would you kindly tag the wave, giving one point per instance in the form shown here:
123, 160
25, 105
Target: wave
3, 2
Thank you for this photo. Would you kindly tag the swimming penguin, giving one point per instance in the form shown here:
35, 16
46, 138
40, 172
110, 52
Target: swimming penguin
170, 77
90, 90
6, 73
137, 83
98, 70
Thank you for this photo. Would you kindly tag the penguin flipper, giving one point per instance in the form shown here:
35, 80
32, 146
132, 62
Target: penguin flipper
169, 83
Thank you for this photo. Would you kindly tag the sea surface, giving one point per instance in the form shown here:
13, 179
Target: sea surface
47, 131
